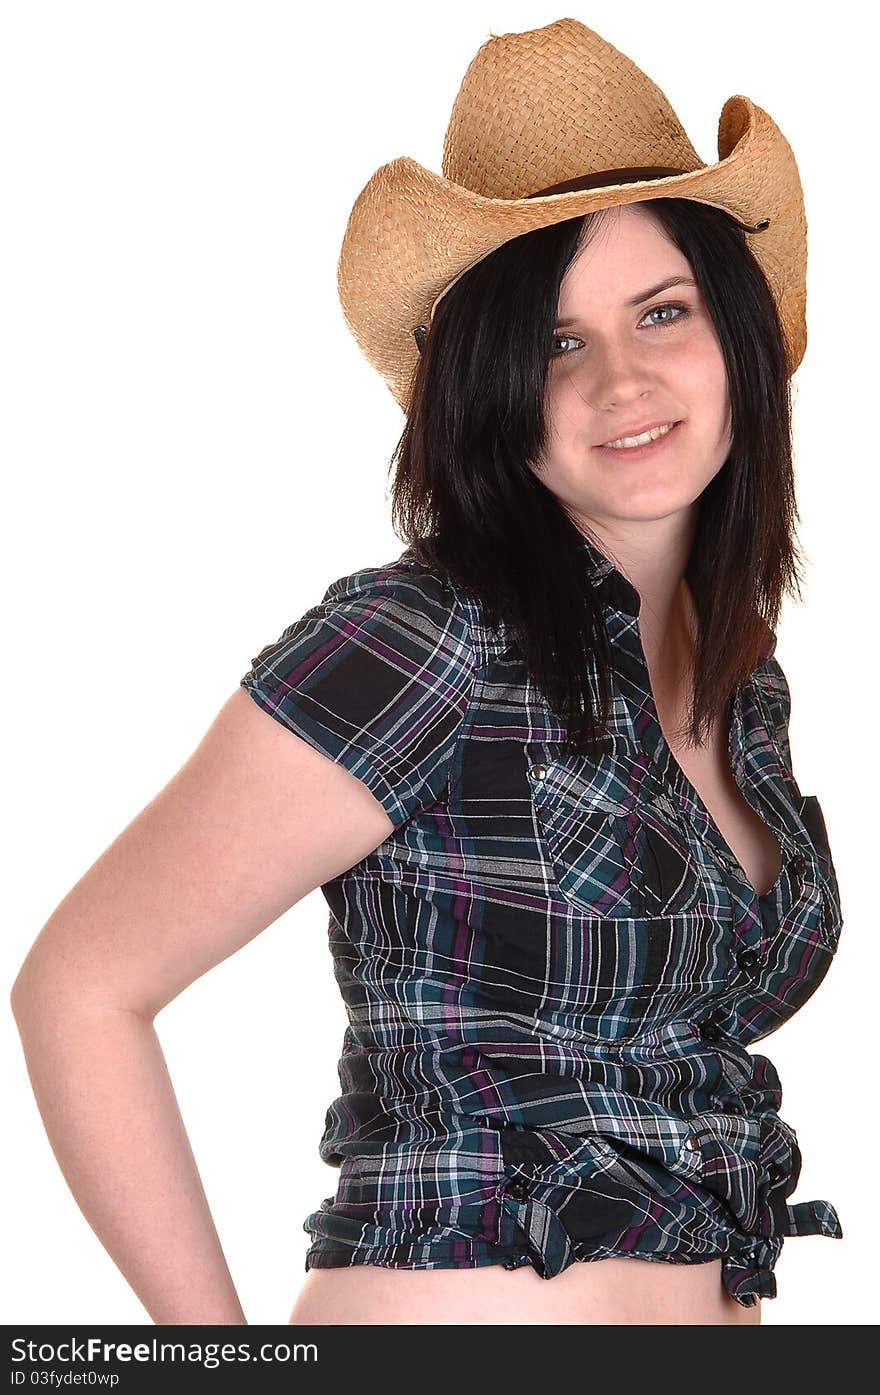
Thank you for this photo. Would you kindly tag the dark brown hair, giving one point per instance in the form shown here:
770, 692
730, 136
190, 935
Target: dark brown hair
467, 503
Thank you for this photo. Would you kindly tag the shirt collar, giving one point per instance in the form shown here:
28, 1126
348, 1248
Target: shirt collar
613, 586
620, 593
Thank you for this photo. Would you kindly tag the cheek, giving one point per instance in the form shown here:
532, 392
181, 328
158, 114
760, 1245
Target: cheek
567, 391
569, 412
703, 375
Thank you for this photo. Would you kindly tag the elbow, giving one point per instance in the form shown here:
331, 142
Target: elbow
35, 990
53, 993
23, 996
19, 990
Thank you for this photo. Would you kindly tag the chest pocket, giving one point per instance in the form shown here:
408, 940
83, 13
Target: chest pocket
813, 819
611, 832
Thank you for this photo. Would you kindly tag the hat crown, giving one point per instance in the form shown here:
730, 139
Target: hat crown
549, 125
544, 106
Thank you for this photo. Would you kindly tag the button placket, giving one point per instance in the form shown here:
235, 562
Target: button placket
727, 862
548, 1243
518, 1189
797, 868
804, 884
709, 1030
690, 1154
750, 960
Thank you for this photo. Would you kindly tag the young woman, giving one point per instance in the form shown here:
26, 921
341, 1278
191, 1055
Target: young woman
538, 765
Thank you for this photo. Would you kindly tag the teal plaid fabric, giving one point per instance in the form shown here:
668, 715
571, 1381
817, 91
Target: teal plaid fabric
553, 967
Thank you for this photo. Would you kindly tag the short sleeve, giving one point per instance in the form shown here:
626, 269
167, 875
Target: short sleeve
378, 677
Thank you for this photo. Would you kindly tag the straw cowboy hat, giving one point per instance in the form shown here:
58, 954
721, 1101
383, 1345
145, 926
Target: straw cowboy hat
551, 124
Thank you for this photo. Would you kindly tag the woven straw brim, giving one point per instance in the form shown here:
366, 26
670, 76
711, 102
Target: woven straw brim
411, 231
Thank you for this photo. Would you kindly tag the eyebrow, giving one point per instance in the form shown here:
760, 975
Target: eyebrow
643, 295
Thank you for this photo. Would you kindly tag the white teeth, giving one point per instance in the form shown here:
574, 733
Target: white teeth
624, 442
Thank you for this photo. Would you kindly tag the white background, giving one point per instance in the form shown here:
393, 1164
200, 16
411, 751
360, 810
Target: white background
193, 448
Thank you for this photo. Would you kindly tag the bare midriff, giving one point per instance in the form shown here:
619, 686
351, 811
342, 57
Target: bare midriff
607, 1291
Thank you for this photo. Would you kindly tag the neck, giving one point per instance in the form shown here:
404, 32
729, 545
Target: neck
669, 637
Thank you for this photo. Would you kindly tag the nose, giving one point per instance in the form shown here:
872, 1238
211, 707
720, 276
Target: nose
613, 373
619, 374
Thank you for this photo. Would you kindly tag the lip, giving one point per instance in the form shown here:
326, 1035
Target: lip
638, 452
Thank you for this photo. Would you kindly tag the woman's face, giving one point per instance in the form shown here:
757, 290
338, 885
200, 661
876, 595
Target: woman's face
615, 366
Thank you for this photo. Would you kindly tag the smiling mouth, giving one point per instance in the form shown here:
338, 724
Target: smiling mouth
636, 452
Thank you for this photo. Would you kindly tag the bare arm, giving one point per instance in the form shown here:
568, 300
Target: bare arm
111, 1115
253, 821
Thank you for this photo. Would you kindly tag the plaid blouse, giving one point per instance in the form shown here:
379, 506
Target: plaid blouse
553, 966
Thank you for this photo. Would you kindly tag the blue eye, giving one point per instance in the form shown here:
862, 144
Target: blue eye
655, 310
683, 312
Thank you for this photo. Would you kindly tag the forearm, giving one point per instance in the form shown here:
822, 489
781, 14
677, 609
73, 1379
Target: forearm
103, 1090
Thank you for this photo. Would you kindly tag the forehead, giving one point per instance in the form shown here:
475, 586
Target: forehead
626, 250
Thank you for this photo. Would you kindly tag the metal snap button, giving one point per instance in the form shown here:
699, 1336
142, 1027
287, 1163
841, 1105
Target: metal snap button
749, 959
710, 1031
730, 1107
509, 1263
798, 865
692, 1143
518, 1190
538, 772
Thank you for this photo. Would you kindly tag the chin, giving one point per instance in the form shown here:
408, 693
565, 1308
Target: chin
652, 500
